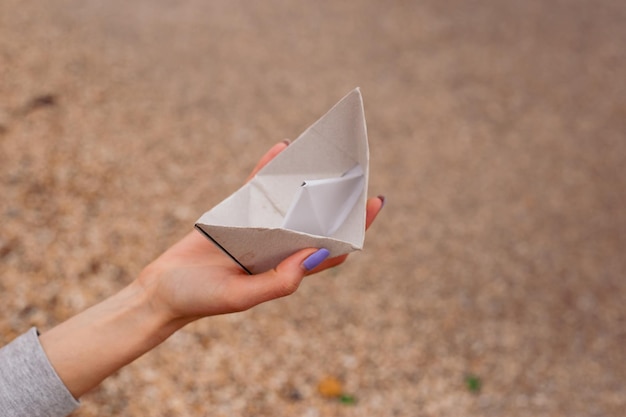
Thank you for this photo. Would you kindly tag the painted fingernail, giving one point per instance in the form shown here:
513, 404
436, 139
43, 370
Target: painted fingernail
287, 142
315, 259
382, 198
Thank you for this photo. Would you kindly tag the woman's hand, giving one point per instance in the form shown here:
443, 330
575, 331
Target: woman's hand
195, 279
192, 279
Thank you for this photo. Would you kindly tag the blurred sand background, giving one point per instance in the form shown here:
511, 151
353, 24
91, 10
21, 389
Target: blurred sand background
497, 133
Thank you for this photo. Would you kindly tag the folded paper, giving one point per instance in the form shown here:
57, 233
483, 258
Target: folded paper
321, 206
313, 194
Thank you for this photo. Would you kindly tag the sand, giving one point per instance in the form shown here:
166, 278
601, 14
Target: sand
497, 133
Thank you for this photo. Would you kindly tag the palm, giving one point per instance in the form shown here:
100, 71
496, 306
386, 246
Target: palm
202, 272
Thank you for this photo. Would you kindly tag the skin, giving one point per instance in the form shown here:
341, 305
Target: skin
191, 280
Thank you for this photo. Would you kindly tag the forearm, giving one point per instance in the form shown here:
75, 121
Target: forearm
94, 344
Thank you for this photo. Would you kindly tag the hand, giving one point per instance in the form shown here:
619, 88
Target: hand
194, 278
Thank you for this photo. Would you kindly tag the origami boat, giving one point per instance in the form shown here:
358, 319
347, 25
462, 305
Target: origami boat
313, 194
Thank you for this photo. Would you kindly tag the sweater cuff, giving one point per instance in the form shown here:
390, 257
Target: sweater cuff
29, 385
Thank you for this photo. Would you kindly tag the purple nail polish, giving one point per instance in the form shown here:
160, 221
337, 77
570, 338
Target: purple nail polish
382, 198
315, 259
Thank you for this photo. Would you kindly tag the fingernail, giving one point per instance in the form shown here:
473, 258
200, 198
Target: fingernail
287, 142
315, 259
382, 198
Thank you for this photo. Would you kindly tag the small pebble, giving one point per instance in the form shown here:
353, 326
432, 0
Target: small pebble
330, 387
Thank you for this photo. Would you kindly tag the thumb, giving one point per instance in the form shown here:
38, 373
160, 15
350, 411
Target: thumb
287, 276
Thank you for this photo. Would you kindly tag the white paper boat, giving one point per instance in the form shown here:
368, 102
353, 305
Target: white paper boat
313, 194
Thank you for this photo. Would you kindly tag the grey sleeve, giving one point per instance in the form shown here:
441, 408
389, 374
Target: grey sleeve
29, 385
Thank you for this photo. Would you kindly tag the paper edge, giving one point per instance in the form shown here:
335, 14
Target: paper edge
222, 248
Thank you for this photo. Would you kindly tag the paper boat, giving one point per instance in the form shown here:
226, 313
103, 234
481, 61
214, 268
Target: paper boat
312, 195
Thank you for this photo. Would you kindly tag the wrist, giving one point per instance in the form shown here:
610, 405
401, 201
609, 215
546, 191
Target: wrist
100, 340
135, 305
154, 296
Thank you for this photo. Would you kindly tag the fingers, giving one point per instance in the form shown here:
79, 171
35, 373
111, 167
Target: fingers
287, 276
269, 155
373, 207
281, 281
